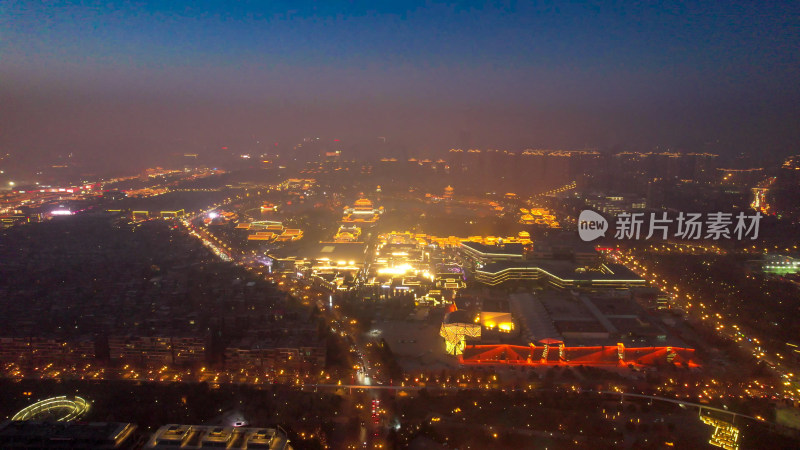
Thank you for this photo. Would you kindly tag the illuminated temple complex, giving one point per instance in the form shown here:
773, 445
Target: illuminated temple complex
362, 211
348, 233
538, 216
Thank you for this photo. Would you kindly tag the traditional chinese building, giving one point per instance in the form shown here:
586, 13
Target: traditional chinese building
362, 211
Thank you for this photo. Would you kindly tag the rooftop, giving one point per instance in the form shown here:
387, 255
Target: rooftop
199, 436
66, 434
513, 249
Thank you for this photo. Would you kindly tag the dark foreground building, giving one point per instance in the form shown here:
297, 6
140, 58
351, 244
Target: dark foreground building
30, 435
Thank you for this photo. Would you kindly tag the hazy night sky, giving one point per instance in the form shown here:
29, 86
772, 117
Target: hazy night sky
130, 82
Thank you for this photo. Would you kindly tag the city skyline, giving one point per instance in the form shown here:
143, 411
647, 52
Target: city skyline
103, 81
391, 225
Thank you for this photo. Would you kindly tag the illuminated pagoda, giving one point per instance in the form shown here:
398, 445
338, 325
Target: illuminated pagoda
448, 193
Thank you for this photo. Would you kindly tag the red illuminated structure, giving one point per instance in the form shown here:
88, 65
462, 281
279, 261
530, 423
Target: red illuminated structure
555, 353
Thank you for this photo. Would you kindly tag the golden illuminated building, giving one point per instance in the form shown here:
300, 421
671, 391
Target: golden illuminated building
298, 184
455, 330
261, 236
270, 231
140, 215
362, 211
146, 192
496, 206
448, 193
347, 234
523, 237
158, 172
725, 434
172, 214
290, 234
269, 207
502, 321
538, 216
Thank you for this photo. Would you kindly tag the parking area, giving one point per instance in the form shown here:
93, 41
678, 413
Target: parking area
416, 344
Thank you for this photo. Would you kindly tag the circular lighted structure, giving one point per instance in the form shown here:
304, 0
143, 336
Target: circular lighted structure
59, 409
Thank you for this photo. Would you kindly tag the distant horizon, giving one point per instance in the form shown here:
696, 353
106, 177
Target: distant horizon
82, 168
110, 81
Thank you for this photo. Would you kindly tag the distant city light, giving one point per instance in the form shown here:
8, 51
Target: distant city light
60, 212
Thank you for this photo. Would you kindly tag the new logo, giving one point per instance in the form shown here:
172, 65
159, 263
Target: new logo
591, 225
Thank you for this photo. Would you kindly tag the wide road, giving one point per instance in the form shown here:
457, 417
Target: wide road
622, 395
